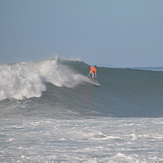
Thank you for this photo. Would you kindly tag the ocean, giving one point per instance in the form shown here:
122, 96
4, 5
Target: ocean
50, 112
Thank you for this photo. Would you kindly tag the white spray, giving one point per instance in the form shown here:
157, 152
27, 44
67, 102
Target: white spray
27, 79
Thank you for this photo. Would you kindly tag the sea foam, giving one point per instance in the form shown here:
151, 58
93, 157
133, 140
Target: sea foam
27, 79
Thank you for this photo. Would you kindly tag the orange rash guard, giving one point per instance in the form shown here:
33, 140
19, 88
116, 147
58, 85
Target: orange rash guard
92, 70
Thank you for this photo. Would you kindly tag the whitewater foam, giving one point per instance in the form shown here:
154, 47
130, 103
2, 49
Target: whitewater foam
27, 79
86, 140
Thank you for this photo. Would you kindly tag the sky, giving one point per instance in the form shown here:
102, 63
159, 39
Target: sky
119, 33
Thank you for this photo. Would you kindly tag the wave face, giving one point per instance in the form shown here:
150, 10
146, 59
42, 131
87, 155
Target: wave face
60, 88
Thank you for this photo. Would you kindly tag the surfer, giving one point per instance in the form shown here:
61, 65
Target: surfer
92, 72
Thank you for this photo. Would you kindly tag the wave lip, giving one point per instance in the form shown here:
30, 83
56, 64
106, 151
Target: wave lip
27, 79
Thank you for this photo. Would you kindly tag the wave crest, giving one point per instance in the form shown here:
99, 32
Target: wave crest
27, 79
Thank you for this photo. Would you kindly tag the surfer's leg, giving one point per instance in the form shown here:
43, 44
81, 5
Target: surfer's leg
93, 76
89, 75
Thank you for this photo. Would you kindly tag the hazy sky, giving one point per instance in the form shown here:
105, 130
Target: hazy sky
121, 33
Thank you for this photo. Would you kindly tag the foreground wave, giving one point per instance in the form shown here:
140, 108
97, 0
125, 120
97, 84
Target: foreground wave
60, 88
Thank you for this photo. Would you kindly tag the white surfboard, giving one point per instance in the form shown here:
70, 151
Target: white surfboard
96, 83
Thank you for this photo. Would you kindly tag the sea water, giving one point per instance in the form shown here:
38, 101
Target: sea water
51, 112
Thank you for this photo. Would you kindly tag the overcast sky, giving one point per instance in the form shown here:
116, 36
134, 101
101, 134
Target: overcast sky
120, 33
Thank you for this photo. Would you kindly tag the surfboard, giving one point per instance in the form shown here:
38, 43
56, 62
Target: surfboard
96, 83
